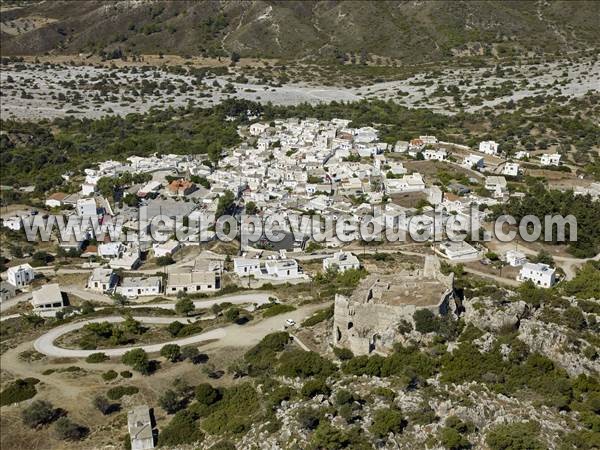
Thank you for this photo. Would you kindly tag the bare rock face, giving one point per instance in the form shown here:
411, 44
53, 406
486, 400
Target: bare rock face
553, 341
491, 316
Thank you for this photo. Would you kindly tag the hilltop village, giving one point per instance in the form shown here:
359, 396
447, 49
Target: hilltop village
112, 299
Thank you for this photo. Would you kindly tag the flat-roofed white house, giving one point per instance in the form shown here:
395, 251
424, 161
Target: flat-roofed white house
458, 251
246, 266
256, 129
193, 281
473, 161
282, 268
102, 280
515, 258
139, 426
48, 300
436, 155
540, 274
341, 261
510, 169
488, 147
408, 183
140, 286
552, 159
168, 248
496, 184
20, 276
86, 207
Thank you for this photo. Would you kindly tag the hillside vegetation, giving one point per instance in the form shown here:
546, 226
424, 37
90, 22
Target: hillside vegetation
351, 31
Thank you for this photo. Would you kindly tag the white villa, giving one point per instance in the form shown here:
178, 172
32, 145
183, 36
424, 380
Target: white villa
20, 276
48, 300
511, 169
488, 147
515, 258
541, 274
134, 286
550, 159
102, 280
341, 261
192, 281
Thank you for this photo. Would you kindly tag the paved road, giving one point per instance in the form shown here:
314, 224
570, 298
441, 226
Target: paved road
231, 335
45, 343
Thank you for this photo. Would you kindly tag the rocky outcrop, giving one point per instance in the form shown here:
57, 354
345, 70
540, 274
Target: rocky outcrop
488, 315
553, 341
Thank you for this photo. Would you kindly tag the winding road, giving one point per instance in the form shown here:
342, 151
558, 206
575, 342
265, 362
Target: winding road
230, 335
45, 343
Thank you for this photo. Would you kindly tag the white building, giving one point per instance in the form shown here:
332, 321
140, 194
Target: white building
126, 260
401, 147
408, 183
48, 300
521, 154
515, 258
497, 185
256, 129
87, 189
102, 280
20, 276
458, 251
139, 426
168, 248
56, 200
488, 147
473, 161
510, 169
550, 159
13, 223
282, 268
193, 281
110, 249
341, 261
541, 274
436, 155
86, 207
134, 286
246, 266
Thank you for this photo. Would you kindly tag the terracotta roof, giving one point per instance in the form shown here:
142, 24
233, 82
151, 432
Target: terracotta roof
60, 196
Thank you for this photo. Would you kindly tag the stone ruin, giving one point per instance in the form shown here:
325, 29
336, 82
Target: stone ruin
367, 321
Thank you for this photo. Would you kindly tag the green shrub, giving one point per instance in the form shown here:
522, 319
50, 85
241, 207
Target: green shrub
318, 317
515, 436
298, 363
138, 360
126, 374
453, 440
425, 321
69, 430
95, 358
119, 391
18, 391
206, 394
181, 430
315, 387
387, 421
261, 358
109, 375
278, 308
171, 351
234, 412
40, 412
343, 354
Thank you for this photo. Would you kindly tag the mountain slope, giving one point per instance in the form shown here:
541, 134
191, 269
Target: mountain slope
409, 30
